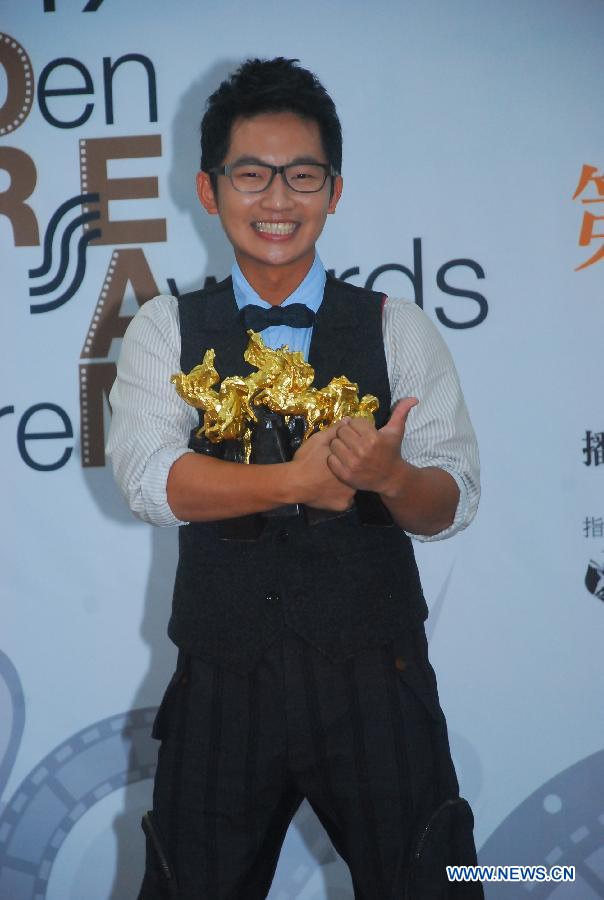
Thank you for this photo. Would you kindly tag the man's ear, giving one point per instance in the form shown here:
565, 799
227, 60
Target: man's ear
338, 184
205, 192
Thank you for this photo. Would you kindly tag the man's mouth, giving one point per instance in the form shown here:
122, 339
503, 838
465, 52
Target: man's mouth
275, 227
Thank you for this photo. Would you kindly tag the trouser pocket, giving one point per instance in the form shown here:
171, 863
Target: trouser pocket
443, 827
159, 882
445, 840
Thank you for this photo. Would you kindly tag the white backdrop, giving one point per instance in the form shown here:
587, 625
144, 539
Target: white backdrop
467, 126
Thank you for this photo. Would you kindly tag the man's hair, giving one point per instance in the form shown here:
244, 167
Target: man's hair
268, 86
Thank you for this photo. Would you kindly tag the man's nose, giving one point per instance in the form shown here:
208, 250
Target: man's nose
278, 195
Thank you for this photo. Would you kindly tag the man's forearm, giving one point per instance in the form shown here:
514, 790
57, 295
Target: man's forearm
203, 489
421, 500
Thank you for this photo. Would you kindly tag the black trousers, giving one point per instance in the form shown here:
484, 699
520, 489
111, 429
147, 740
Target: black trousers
364, 741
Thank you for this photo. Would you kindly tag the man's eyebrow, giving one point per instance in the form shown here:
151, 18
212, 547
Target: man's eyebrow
248, 160
306, 160
256, 161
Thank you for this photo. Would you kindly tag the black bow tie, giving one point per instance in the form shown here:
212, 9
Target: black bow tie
257, 318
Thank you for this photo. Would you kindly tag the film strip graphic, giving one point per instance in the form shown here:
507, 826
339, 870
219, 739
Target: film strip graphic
48, 803
562, 824
90, 410
20, 73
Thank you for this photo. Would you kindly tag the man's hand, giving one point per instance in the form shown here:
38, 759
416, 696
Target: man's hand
366, 458
316, 484
420, 500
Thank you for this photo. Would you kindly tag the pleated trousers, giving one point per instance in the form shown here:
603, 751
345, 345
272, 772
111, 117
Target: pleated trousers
364, 741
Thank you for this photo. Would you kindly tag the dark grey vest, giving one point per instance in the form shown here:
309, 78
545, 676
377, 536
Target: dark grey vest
339, 584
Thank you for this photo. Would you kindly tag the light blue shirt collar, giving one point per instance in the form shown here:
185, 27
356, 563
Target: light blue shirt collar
309, 291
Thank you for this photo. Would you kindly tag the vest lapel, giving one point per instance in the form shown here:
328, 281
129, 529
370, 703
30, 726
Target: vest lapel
332, 340
222, 330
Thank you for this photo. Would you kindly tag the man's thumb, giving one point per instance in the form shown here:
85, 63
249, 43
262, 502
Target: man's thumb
398, 417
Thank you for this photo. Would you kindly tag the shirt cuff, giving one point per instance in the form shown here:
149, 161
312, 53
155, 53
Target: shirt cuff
155, 507
463, 515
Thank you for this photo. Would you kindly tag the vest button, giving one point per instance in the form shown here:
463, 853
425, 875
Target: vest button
400, 663
272, 598
283, 535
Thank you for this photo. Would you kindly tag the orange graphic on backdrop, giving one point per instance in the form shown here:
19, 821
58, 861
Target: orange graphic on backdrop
591, 182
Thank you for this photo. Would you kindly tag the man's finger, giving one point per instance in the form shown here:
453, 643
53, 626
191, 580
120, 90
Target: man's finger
338, 469
350, 435
340, 450
398, 417
322, 436
357, 424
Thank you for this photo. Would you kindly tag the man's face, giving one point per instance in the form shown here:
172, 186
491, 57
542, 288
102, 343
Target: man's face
278, 227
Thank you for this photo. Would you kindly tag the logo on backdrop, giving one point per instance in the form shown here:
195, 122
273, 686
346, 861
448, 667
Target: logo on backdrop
68, 228
594, 578
590, 189
82, 223
79, 224
86, 767
559, 824
593, 529
593, 526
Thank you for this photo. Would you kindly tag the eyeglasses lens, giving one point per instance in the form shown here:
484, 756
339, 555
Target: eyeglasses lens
305, 178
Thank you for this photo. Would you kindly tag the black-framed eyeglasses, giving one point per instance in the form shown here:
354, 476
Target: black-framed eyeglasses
253, 178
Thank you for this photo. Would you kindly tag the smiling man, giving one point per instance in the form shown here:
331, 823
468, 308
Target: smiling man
298, 610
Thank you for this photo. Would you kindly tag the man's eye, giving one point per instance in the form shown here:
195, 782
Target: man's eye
250, 177
307, 173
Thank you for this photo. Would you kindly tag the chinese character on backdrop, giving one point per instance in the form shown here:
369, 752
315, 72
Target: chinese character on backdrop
593, 526
593, 450
592, 185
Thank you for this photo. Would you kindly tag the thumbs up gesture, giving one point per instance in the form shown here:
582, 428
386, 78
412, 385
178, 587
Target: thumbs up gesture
367, 458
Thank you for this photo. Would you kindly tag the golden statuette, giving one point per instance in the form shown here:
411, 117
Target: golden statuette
283, 383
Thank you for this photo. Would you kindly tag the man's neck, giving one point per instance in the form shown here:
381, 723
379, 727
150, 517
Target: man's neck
275, 283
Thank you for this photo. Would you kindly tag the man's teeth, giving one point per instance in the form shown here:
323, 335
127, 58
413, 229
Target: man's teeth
275, 227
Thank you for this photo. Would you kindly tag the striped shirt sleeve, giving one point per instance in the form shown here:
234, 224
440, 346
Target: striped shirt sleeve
439, 432
150, 424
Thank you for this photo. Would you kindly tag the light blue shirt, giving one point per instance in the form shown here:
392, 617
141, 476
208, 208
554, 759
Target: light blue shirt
309, 292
